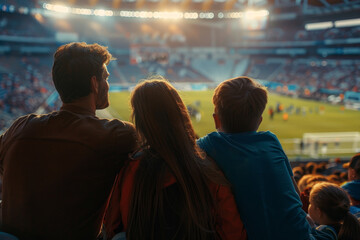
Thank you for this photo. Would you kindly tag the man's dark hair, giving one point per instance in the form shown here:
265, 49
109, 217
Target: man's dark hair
239, 104
74, 65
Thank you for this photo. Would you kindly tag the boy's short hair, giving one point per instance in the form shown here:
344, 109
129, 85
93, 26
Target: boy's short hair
239, 104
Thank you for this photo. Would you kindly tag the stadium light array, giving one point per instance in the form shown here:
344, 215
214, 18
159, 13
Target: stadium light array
24, 10
11, 8
252, 14
318, 26
233, 15
347, 23
168, 15
153, 15
103, 13
81, 11
191, 15
56, 8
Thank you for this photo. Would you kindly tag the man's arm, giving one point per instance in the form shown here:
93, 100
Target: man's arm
6, 138
1, 155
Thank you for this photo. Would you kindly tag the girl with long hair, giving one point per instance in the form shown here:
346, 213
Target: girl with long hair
329, 207
169, 189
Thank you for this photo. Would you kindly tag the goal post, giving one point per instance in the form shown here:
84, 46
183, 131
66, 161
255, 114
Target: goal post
323, 144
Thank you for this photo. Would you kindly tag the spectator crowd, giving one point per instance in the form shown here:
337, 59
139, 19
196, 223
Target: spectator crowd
25, 84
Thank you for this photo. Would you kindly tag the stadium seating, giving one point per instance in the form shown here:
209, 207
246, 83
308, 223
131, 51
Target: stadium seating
24, 86
13, 24
215, 69
324, 77
25, 77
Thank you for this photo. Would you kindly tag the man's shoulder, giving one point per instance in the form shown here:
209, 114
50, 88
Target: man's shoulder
116, 127
59, 124
118, 132
30, 116
19, 127
23, 121
117, 123
90, 123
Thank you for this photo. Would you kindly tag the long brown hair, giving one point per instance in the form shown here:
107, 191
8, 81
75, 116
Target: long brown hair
165, 130
334, 202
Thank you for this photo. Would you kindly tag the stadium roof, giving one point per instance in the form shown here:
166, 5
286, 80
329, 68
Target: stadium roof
204, 5
208, 8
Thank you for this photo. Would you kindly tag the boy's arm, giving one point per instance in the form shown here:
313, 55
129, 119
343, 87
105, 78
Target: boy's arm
295, 185
288, 166
292, 176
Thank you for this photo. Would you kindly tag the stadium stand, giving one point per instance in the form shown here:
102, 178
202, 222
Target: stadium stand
181, 52
14, 24
215, 69
319, 78
25, 83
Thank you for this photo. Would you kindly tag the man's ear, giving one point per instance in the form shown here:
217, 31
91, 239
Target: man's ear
217, 121
94, 85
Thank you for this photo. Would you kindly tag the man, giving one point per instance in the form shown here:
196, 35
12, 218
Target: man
58, 169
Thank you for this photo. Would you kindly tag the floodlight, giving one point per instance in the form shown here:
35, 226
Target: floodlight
235, 15
191, 15
251, 14
82, 11
56, 8
11, 8
318, 26
24, 10
347, 23
103, 13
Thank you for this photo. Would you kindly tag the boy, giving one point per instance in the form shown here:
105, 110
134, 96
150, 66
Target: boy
254, 163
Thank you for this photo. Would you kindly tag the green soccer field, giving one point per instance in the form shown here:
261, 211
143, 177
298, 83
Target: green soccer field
305, 117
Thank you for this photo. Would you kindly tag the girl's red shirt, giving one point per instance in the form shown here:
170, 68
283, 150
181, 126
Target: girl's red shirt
228, 221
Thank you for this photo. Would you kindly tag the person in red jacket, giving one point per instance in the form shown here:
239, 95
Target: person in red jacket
169, 190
